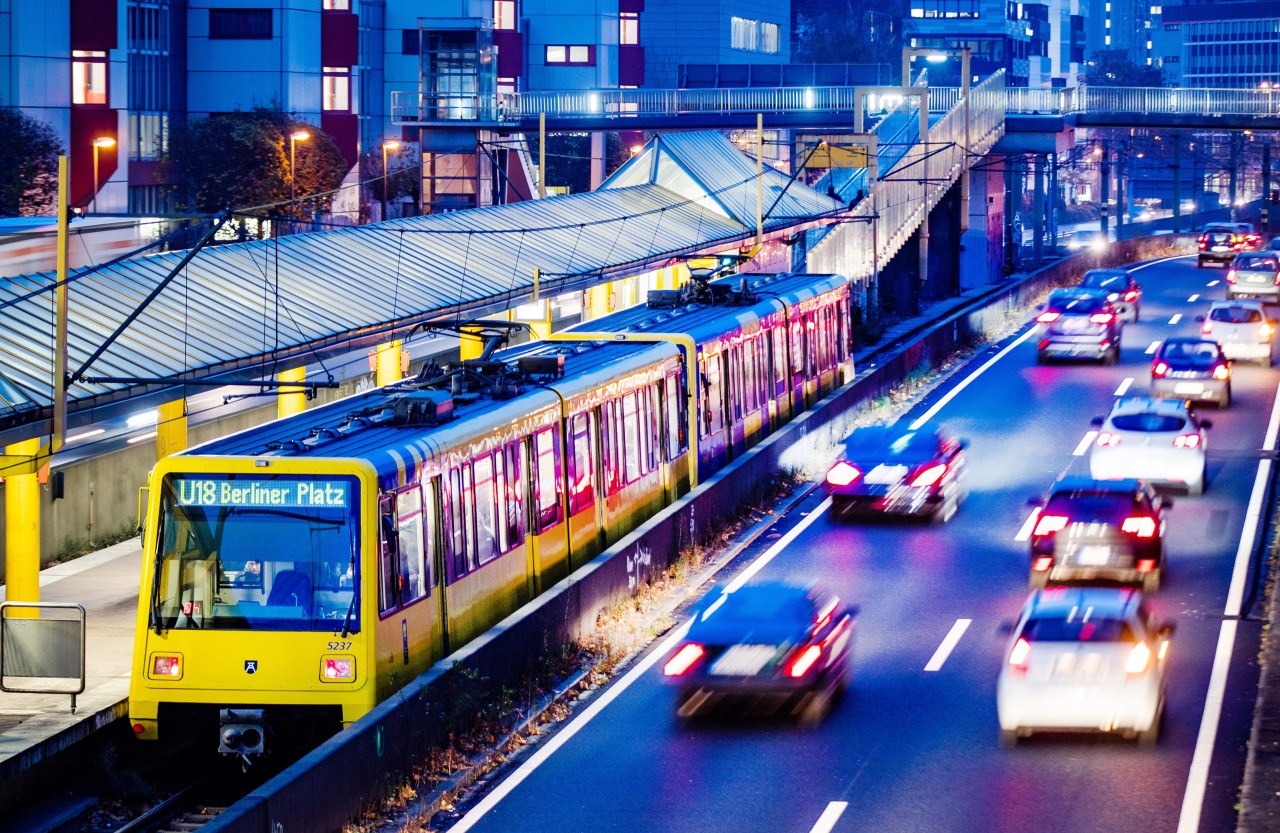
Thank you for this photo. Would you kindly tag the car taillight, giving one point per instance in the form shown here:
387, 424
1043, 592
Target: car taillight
1138, 659
1159, 369
1048, 317
1206, 327
1221, 371
1187, 441
1131, 295
1018, 655
824, 616
1231, 276
804, 660
842, 474
1042, 564
1106, 438
1049, 524
684, 659
1164, 649
166, 667
929, 476
1142, 526
1146, 565
1277, 281
1101, 318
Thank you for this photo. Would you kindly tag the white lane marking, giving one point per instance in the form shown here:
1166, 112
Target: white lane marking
1198, 777
1193, 299
1029, 524
1213, 282
1177, 316
829, 817
948, 644
611, 693
951, 394
1160, 261
1085, 442
1154, 346
1124, 386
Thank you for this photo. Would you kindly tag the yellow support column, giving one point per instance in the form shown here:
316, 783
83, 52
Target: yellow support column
292, 400
22, 529
601, 299
389, 362
470, 346
171, 428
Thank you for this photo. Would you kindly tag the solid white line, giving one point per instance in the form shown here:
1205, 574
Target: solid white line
1085, 442
1177, 316
948, 645
1213, 282
1025, 532
612, 692
1155, 345
1198, 777
1124, 386
1160, 261
1193, 299
829, 817
951, 394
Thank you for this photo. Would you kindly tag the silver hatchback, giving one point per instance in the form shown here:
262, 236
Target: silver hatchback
1254, 275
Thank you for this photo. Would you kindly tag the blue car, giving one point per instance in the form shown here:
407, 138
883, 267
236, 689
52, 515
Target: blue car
892, 470
778, 646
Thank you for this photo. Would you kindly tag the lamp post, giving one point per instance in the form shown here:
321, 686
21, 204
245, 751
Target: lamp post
294, 138
390, 144
98, 143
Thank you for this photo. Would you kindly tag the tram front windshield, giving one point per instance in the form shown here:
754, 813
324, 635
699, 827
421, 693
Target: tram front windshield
254, 552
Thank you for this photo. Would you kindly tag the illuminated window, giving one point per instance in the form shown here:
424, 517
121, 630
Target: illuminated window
337, 89
753, 35
240, 24
504, 14
571, 55
88, 77
337, 5
628, 28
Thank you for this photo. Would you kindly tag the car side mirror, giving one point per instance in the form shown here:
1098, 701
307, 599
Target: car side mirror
1006, 627
1040, 307
1167, 629
1097, 421
854, 610
1037, 502
963, 444
1206, 423
1200, 318
1166, 503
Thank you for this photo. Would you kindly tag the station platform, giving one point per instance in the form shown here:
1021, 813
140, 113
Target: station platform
35, 727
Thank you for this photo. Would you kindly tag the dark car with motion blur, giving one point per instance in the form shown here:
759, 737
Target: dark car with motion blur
1254, 275
1123, 291
1108, 530
1079, 323
1218, 244
896, 470
1194, 369
765, 646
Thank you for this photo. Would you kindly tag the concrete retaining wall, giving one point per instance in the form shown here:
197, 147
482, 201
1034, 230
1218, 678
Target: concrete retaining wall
366, 758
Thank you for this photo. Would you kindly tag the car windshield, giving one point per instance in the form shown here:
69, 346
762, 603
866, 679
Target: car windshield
1076, 304
252, 552
749, 605
1091, 506
1104, 281
1219, 236
1147, 422
1079, 626
1235, 315
1257, 263
1197, 354
876, 443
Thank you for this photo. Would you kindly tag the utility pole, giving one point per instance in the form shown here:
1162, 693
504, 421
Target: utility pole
1177, 183
1266, 187
1105, 189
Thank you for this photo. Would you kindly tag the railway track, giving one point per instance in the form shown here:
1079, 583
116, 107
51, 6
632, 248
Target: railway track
183, 812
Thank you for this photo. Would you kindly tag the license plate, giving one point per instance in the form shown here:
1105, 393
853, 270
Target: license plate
1188, 387
1221, 249
885, 474
743, 660
1094, 556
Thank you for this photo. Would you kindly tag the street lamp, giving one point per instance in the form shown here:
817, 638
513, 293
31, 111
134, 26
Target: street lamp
100, 142
294, 138
389, 144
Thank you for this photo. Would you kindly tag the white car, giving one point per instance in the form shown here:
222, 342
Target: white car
1242, 328
1157, 440
1084, 659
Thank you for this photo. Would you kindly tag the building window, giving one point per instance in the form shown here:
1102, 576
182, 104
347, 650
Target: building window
410, 42
337, 89
240, 24
337, 5
88, 77
753, 35
504, 15
947, 9
583, 56
148, 135
628, 29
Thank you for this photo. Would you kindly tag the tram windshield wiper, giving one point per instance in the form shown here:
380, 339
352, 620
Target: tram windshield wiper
355, 595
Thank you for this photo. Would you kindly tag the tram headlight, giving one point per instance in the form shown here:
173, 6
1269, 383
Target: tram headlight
166, 667
338, 669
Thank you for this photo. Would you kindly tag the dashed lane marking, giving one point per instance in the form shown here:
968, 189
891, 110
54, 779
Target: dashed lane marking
948, 644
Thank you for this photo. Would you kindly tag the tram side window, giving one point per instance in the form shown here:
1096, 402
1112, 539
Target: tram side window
457, 518
811, 344
549, 482
514, 503
387, 572
779, 360
487, 544
712, 396
631, 437
677, 443
412, 568
614, 477
750, 376
581, 490
649, 426
797, 348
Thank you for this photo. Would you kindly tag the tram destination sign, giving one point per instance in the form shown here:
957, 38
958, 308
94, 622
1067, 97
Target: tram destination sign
262, 494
